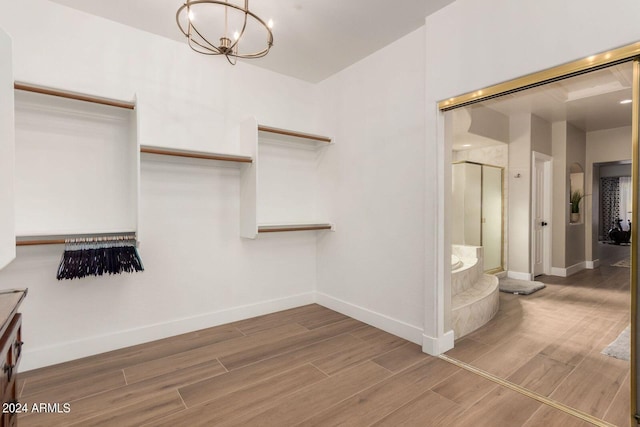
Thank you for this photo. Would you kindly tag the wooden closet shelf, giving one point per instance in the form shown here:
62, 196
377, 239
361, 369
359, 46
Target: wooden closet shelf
295, 134
276, 228
75, 96
196, 154
60, 239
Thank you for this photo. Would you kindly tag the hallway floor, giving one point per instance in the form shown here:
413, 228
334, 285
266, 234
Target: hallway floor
550, 341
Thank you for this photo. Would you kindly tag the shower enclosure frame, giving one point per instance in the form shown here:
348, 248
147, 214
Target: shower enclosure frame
500, 268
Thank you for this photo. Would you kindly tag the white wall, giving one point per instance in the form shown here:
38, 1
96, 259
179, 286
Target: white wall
199, 272
75, 167
7, 218
569, 147
489, 123
560, 195
575, 237
496, 155
519, 176
373, 266
496, 41
386, 179
540, 135
615, 170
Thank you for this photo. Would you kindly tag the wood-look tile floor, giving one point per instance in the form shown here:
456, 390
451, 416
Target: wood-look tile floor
551, 341
312, 366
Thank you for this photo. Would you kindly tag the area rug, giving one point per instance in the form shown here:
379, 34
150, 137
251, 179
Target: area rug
519, 287
624, 263
620, 348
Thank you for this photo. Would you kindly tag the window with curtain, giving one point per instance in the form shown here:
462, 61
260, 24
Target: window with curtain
624, 184
609, 204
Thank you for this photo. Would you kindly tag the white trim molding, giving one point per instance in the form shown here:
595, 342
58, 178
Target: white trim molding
566, 272
65, 351
592, 264
519, 275
380, 321
436, 346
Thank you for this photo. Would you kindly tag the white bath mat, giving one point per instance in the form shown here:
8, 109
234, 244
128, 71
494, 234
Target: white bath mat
624, 263
620, 348
520, 287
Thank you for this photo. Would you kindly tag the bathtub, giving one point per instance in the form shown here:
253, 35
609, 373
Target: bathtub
474, 294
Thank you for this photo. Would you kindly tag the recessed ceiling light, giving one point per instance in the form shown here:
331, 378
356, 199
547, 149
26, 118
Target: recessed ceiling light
466, 145
626, 101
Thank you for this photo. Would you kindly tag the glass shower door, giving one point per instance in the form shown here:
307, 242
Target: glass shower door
492, 217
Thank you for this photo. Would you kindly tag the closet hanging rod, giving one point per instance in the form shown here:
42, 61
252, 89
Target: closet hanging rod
74, 238
295, 134
75, 96
40, 242
99, 239
196, 154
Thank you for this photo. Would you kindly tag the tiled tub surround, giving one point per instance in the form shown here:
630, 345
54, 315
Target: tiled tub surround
474, 294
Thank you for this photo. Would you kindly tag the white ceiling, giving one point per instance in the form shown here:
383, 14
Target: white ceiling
590, 102
313, 39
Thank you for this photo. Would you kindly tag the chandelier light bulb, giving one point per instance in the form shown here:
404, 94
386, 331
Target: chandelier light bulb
191, 15
270, 23
236, 35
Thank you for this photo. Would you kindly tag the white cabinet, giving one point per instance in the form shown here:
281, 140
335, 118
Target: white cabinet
279, 191
7, 143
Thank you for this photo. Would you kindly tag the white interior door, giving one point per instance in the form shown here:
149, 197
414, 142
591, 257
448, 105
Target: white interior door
541, 215
7, 145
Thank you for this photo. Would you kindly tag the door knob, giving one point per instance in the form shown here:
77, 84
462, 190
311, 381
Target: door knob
543, 223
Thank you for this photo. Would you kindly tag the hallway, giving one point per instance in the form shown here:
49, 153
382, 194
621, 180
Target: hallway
550, 341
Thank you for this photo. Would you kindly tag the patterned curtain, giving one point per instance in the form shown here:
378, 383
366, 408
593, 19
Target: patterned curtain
609, 205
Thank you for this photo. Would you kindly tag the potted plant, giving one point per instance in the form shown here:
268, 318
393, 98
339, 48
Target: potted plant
576, 197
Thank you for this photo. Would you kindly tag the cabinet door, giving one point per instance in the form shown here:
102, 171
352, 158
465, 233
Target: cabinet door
7, 158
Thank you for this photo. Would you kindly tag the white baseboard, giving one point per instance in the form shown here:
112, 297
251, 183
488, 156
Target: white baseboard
593, 264
71, 350
566, 272
380, 321
519, 276
556, 271
436, 346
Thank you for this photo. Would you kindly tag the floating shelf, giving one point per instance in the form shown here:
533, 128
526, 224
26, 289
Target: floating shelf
293, 136
60, 239
251, 135
277, 228
87, 141
196, 154
72, 95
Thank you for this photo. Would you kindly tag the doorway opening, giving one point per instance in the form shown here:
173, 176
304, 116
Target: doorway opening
541, 208
551, 141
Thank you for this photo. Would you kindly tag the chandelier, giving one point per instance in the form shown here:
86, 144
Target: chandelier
214, 27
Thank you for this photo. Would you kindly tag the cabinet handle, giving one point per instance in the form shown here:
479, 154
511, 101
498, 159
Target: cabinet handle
8, 369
